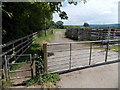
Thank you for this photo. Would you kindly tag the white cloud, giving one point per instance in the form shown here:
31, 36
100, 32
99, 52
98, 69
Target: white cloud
107, 12
94, 12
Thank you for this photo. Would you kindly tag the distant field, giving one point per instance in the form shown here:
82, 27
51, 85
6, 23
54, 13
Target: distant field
101, 26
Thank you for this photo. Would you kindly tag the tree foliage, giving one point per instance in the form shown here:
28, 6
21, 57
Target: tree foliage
59, 25
25, 18
86, 24
22, 18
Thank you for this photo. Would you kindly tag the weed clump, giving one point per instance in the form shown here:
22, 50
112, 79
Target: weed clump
7, 84
46, 80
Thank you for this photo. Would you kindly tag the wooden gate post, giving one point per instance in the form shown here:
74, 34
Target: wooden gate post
32, 66
45, 56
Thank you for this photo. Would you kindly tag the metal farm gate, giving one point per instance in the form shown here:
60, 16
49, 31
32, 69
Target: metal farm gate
64, 57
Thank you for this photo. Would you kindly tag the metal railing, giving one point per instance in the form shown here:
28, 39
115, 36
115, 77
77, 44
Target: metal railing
17, 47
71, 55
8, 66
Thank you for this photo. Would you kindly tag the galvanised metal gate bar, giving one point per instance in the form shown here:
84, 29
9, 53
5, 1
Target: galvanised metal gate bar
27, 62
60, 57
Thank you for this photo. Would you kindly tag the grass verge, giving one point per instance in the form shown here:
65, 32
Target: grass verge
38, 42
115, 48
7, 84
46, 80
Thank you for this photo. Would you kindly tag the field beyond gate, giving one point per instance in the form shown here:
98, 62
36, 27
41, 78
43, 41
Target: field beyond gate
68, 56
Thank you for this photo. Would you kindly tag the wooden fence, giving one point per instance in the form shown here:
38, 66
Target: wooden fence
91, 34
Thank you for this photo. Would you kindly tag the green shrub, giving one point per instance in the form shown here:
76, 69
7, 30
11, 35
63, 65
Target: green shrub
31, 81
43, 79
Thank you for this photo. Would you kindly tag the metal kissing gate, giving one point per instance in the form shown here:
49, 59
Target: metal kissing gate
24, 60
69, 56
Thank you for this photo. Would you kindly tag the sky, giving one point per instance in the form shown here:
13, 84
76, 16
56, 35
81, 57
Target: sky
92, 12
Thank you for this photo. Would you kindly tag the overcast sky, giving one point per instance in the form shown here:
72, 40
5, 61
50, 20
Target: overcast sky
93, 12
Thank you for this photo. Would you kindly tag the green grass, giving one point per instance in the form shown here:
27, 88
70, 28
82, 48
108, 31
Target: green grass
15, 67
36, 45
7, 84
116, 47
46, 80
18, 66
38, 42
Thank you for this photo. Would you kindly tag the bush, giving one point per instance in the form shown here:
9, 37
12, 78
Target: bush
44, 79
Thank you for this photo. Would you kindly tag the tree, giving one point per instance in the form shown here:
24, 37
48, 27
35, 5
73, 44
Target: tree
59, 25
23, 18
52, 24
86, 25
26, 18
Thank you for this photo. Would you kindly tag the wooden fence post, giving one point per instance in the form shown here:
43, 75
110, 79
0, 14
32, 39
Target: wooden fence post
45, 56
31, 66
6, 68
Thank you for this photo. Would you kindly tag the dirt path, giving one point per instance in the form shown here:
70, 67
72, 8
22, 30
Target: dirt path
59, 37
22, 74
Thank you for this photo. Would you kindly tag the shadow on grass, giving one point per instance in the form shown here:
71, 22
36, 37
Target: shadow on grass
34, 49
